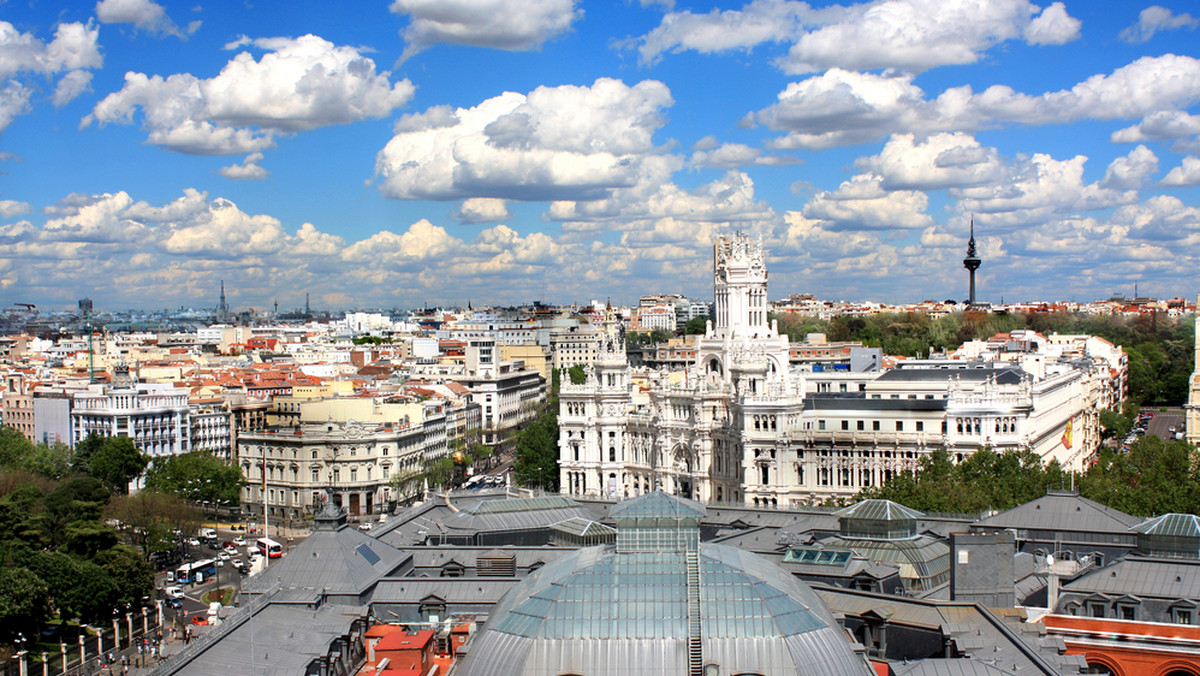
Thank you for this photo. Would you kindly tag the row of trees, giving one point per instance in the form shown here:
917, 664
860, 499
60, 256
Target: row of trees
62, 555
1159, 348
1153, 477
113, 460
73, 543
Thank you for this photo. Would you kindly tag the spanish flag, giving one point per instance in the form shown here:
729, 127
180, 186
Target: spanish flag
1066, 437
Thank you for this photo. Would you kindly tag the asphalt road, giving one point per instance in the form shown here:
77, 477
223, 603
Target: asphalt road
1162, 422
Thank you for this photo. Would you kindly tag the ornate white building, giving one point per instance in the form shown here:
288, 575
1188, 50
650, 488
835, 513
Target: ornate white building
739, 425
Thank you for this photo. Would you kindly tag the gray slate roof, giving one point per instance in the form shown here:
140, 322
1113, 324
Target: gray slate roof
969, 372
1062, 511
1142, 577
338, 561
285, 639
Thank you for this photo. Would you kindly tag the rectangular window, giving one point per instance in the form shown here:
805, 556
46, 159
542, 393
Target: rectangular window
1183, 617
899, 425
920, 426
820, 424
1128, 613
861, 425
875, 425
845, 424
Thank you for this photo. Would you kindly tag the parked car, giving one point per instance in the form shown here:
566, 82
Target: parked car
364, 526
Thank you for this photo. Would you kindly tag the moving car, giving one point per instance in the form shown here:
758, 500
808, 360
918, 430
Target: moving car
173, 592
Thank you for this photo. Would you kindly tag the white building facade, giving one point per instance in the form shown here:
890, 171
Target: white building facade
740, 425
156, 417
291, 467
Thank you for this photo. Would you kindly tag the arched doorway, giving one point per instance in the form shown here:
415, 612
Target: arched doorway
681, 462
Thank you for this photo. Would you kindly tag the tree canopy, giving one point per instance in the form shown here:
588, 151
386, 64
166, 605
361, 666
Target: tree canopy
985, 480
117, 462
536, 464
199, 476
1153, 477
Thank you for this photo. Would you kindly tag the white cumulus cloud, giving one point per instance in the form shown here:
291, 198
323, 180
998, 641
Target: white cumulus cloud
939, 161
144, 14
482, 210
1132, 170
249, 169
1039, 188
914, 35
735, 155
1154, 19
862, 203
501, 24
74, 50
566, 142
1185, 175
1165, 125
12, 208
299, 84
841, 107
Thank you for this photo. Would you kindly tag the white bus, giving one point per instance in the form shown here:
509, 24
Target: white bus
187, 572
270, 548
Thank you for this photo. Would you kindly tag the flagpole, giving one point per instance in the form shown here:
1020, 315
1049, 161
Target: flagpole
266, 529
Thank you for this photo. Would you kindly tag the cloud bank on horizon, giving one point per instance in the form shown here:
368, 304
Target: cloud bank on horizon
419, 153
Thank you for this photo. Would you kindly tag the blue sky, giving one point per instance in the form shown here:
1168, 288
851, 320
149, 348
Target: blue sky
439, 151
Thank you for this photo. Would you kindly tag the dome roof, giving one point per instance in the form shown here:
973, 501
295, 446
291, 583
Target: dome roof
597, 607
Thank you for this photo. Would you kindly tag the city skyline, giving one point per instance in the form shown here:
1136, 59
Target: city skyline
416, 153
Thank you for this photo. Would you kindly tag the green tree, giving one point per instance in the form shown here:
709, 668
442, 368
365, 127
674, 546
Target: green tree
1154, 477
84, 450
199, 476
14, 447
75, 503
117, 462
984, 480
577, 374
24, 602
50, 460
695, 325
536, 463
149, 518
132, 574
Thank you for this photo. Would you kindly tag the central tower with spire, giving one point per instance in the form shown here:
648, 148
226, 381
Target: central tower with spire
972, 261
